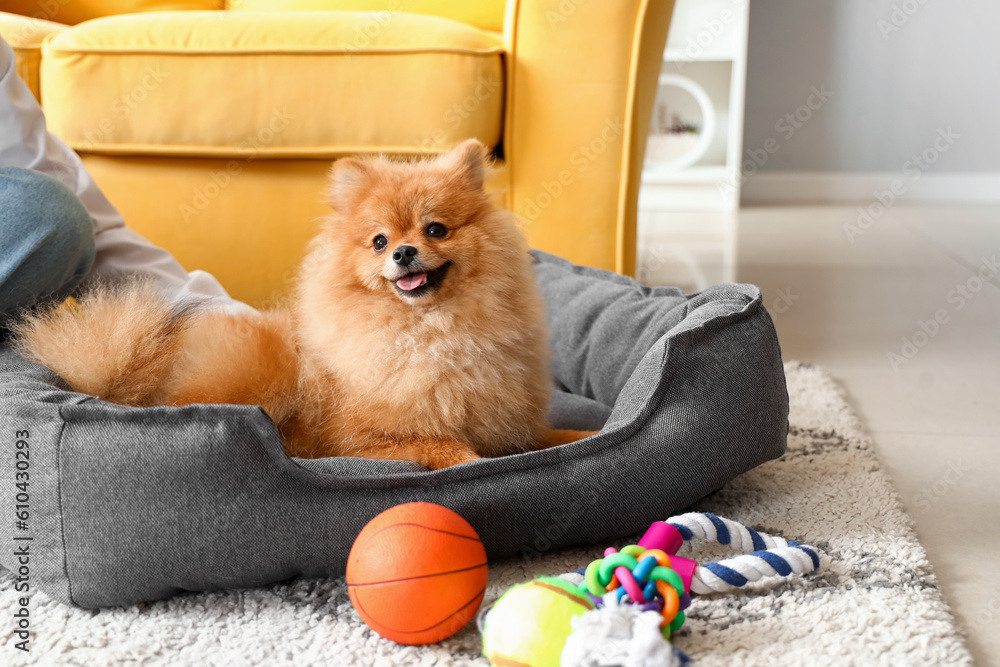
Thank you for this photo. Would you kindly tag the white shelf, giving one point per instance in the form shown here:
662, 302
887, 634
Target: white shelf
706, 30
707, 44
687, 216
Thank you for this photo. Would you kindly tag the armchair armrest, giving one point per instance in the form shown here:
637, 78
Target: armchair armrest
582, 81
25, 35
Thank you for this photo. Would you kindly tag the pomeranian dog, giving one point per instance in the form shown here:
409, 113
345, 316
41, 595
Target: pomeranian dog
416, 330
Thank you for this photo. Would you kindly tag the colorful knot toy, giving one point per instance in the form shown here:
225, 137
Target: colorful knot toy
645, 574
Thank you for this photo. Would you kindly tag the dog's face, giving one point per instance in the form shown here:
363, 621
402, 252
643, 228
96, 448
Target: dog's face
410, 229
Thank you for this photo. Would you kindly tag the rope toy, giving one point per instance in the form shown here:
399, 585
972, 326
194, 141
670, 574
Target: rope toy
648, 577
650, 573
764, 555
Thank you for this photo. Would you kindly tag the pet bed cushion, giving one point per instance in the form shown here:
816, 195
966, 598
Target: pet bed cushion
128, 504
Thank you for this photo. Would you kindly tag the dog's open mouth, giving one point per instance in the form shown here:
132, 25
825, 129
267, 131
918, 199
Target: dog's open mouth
422, 283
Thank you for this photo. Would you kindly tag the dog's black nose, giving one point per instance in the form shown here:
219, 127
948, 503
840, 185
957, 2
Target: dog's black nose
404, 255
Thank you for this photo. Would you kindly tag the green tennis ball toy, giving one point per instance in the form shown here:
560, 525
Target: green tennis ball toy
529, 624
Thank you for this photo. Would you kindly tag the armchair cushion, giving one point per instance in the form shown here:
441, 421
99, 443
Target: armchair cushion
134, 504
314, 84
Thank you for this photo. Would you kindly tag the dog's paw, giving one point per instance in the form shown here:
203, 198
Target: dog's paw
445, 457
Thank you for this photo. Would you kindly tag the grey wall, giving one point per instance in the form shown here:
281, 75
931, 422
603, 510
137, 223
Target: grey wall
891, 93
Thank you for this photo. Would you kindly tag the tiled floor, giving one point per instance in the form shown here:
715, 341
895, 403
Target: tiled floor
847, 302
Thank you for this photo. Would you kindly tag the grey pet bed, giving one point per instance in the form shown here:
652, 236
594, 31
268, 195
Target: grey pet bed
128, 505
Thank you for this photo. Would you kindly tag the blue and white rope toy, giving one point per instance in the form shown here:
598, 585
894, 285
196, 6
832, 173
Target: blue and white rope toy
637, 596
763, 555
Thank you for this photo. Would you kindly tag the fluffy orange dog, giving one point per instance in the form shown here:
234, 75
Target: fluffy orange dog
416, 331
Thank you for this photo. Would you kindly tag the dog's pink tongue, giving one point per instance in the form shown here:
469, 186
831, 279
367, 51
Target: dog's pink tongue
411, 282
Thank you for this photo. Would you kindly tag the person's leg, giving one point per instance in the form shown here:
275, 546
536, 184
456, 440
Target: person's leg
46, 237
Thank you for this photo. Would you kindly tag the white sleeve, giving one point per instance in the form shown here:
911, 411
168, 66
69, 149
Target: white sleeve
25, 142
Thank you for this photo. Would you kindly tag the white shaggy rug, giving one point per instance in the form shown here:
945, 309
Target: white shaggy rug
873, 602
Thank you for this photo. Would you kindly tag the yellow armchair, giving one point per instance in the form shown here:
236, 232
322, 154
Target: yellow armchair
212, 130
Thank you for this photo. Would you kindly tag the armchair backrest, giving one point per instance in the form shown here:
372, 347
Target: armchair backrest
71, 12
483, 14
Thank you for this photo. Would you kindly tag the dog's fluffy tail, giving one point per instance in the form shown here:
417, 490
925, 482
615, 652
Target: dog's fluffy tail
118, 343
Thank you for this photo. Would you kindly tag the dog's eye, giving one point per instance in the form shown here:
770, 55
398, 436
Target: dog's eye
380, 242
436, 229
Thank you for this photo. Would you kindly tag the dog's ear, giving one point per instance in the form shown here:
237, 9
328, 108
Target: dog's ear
468, 158
345, 176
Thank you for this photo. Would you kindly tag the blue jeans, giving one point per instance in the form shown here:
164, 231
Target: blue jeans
46, 239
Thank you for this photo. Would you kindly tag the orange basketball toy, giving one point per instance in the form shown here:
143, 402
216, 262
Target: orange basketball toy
417, 573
